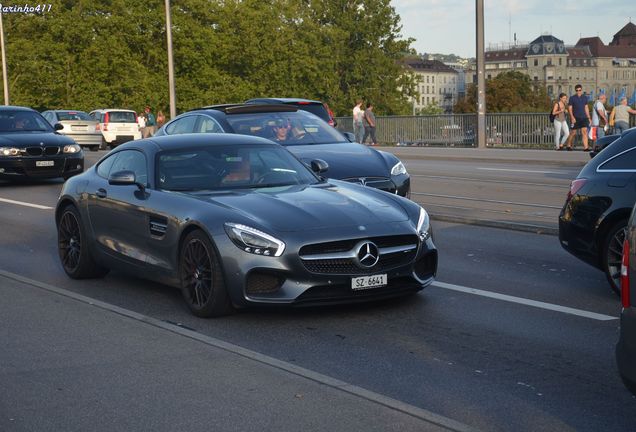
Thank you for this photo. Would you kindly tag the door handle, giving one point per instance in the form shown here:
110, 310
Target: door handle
101, 193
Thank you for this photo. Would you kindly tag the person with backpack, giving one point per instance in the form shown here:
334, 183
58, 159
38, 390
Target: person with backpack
559, 120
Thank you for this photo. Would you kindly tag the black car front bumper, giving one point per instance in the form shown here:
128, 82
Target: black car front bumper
41, 166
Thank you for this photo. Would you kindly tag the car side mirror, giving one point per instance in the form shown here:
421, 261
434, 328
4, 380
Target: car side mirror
58, 126
125, 178
351, 137
319, 166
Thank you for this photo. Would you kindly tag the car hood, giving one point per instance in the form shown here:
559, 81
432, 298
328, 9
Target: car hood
345, 160
26, 139
297, 208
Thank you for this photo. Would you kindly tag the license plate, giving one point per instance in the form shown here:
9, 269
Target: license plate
366, 282
44, 163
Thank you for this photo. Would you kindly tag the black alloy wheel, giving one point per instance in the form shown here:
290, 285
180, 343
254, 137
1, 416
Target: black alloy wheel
75, 256
613, 254
202, 284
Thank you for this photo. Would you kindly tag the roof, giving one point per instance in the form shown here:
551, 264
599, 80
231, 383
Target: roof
421, 65
172, 142
579, 52
250, 108
509, 54
598, 49
628, 30
283, 100
15, 108
546, 45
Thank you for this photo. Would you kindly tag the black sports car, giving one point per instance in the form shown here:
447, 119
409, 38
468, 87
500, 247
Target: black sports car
235, 220
593, 219
31, 147
305, 135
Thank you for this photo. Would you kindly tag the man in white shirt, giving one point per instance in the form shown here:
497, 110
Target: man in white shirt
599, 116
358, 121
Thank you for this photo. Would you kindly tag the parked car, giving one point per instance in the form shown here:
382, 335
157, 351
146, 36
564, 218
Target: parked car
626, 346
117, 125
31, 148
305, 135
321, 109
78, 125
593, 219
236, 221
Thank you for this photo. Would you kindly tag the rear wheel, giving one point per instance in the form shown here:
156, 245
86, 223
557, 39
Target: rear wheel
72, 247
613, 254
202, 284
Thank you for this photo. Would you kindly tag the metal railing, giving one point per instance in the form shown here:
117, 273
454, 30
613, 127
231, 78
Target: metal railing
519, 130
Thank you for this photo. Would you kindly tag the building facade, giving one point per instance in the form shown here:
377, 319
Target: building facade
550, 63
437, 84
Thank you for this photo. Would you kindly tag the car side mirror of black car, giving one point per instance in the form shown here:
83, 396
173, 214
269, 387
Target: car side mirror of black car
319, 166
58, 126
125, 178
351, 137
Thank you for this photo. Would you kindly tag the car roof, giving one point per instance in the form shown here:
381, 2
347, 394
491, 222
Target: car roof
284, 100
245, 108
175, 142
15, 108
113, 109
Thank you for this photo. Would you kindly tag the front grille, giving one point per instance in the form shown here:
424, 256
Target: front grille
347, 265
381, 183
34, 151
51, 151
39, 151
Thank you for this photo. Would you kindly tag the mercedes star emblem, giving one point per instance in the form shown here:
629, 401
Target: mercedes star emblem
367, 255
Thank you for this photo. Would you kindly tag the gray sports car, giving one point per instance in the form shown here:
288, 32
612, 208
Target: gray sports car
235, 220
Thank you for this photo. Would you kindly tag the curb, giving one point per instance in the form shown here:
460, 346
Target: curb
512, 226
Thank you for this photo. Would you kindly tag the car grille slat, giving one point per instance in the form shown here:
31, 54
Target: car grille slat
39, 151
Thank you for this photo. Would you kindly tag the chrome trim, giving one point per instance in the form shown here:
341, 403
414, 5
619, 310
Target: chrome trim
600, 170
353, 253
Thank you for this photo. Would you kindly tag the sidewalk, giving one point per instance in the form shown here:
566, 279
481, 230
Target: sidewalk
70, 363
576, 158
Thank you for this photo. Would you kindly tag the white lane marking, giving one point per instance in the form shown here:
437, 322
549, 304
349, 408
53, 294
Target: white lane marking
487, 200
522, 170
26, 204
527, 302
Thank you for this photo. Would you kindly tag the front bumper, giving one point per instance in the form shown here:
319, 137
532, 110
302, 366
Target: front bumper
288, 280
27, 167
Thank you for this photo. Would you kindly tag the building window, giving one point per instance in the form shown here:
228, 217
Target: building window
536, 62
560, 61
427, 77
433, 80
489, 76
549, 62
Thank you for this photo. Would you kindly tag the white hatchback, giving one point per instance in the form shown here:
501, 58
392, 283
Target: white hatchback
117, 125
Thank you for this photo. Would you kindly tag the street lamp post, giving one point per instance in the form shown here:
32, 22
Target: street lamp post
173, 106
481, 83
5, 81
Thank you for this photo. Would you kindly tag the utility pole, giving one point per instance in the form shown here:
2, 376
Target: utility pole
173, 103
481, 83
5, 80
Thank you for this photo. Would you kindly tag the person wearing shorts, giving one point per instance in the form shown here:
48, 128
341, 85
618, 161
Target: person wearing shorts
579, 117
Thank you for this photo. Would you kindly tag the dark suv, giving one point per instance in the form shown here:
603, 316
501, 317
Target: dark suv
321, 109
593, 220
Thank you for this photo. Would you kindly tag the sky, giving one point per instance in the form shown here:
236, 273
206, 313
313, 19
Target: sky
448, 26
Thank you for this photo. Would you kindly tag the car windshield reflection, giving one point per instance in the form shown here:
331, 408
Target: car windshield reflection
217, 168
286, 128
22, 121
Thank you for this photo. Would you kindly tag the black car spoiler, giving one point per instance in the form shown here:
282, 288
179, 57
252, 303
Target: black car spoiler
251, 108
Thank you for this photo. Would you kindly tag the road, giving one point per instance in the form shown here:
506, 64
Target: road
515, 335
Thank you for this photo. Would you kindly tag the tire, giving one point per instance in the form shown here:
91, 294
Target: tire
72, 247
201, 278
612, 254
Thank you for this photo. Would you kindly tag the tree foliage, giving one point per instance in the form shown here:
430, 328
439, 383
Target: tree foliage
112, 53
510, 91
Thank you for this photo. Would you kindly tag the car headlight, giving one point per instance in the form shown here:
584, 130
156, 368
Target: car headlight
423, 225
9, 151
73, 148
254, 241
398, 169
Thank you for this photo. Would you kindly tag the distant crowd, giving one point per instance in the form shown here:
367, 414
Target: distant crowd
148, 123
572, 116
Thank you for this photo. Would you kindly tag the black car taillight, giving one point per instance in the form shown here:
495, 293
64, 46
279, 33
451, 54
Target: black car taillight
575, 186
625, 275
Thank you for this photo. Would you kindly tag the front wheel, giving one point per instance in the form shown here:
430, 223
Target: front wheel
202, 284
612, 254
72, 246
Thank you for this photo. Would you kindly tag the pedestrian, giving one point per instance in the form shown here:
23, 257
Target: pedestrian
579, 117
599, 118
358, 121
151, 123
561, 130
161, 119
620, 116
141, 122
369, 125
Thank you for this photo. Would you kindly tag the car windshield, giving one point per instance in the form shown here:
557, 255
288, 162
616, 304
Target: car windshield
23, 121
215, 167
72, 115
286, 128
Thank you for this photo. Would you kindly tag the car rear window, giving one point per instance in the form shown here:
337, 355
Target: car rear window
122, 117
316, 109
72, 115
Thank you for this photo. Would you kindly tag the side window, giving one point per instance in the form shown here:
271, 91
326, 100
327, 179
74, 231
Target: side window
182, 125
132, 160
103, 169
208, 125
625, 161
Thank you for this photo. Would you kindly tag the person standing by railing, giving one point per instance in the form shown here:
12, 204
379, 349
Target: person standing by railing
358, 121
599, 117
561, 130
620, 116
369, 125
579, 116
